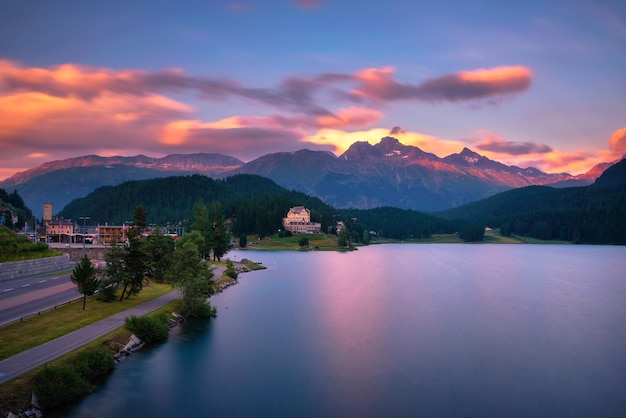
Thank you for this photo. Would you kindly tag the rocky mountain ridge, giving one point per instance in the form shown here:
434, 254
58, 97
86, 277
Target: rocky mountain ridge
364, 176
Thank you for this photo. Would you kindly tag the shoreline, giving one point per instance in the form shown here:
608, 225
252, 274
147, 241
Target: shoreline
116, 336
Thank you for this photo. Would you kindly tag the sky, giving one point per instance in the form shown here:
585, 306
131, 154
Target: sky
527, 83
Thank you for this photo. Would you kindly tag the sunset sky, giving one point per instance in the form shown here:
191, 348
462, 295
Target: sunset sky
531, 83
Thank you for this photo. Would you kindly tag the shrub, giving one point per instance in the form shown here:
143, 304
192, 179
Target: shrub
148, 328
107, 290
230, 270
58, 385
93, 363
232, 273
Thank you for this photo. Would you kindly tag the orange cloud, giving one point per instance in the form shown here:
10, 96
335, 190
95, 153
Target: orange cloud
617, 142
498, 75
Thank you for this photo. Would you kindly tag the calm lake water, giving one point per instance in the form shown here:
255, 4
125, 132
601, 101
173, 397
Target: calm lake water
395, 331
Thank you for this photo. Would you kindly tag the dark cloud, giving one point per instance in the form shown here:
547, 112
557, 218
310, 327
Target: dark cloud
396, 130
512, 148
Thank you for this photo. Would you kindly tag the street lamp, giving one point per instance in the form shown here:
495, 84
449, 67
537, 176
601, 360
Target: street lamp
84, 218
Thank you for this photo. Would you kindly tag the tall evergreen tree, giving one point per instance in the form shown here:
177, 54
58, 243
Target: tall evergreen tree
135, 257
85, 276
201, 224
219, 237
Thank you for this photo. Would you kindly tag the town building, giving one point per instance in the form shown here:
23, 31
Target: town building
59, 230
298, 221
107, 234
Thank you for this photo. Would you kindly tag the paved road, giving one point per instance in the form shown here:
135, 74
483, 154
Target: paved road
19, 364
23, 297
13, 367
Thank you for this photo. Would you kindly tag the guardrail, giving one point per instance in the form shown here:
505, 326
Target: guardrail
53, 308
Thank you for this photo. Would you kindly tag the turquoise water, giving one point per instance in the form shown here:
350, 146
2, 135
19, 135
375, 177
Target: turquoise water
395, 331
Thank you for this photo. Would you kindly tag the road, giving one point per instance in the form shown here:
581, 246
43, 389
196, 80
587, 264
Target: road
19, 364
27, 296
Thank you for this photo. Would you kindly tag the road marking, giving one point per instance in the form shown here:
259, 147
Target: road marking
43, 281
7, 290
54, 278
26, 285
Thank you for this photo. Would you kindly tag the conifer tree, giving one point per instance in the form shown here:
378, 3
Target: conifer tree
85, 277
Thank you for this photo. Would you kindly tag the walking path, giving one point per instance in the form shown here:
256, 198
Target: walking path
21, 363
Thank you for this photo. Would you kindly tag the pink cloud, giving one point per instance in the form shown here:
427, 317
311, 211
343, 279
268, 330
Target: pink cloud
379, 84
69, 110
308, 4
239, 6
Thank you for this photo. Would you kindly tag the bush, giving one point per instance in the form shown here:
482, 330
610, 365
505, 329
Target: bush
230, 270
107, 290
93, 363
58, 385
148, 328
232, 273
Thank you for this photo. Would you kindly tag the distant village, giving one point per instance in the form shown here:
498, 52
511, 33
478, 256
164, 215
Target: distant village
297, 221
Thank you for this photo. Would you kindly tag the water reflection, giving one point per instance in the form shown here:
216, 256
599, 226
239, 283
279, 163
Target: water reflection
396, 330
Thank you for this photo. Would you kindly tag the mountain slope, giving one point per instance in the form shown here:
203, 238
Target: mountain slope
60, 182
364, 176
392, 174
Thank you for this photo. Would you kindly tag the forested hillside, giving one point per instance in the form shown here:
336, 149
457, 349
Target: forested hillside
255, 204
13, 204
591, 214
400, 223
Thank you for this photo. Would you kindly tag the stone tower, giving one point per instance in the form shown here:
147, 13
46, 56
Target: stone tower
47, 212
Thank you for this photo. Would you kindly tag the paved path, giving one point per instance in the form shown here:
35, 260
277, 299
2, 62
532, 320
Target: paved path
21, 363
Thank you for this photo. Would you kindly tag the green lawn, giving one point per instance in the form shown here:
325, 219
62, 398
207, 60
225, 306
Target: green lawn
316, 242
36, 330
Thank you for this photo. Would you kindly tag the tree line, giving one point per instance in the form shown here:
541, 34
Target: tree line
592, 214
158, 257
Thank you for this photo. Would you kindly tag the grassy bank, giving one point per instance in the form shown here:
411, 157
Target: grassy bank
318, 242
491, 237
36, 330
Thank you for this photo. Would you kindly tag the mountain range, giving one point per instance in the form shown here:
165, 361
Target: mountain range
364, 176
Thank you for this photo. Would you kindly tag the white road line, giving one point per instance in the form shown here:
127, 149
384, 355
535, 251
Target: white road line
43, 281
7, 290
54, 278
26, 285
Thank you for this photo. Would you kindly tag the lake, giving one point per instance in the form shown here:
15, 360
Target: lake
399, 330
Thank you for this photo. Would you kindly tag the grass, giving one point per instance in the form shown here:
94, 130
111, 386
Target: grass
317, 242
491, 237
36, 330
